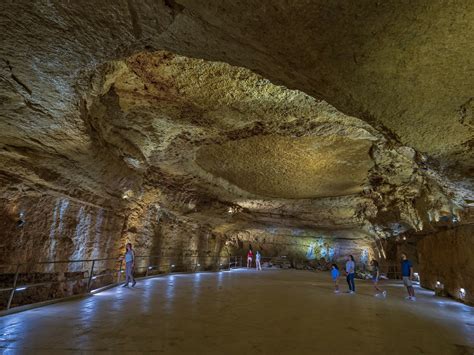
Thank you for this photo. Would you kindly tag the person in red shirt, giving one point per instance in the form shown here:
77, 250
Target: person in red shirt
249, 258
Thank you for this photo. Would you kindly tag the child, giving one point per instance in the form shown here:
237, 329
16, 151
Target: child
335, 277
376, 277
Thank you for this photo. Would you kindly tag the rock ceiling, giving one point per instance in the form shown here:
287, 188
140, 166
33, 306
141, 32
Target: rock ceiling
328, 115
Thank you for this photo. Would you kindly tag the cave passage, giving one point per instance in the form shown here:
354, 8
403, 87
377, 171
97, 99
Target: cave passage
168, 140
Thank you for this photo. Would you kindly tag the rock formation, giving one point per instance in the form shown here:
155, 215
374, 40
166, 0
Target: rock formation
197, 128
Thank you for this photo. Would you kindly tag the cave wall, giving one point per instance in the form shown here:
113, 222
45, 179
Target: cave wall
44, 227
303, 246
447, 256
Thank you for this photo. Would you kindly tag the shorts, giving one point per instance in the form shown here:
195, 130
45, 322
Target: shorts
406, 281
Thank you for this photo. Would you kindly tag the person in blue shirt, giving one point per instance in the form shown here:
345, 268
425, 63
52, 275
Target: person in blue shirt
407, 276
129, 265
335, 277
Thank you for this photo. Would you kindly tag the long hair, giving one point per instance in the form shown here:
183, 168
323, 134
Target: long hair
375, 263
335, 266
352, 258
128, 244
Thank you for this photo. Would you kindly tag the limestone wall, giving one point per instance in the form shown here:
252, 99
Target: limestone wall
300, 246
47, 227
448, 257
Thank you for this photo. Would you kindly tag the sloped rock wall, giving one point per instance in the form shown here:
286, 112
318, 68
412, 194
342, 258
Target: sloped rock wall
448, 257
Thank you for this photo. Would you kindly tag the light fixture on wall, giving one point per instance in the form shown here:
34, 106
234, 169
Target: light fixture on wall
462, 293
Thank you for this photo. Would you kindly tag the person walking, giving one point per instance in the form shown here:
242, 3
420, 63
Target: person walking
249, 258
257, 261
376, 278
407, 276
335, 277
350, 272
129, 265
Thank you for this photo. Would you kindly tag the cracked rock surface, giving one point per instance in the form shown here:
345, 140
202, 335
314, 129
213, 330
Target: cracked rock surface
180, 125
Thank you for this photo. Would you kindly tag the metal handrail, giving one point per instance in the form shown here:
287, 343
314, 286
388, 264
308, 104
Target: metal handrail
231, 261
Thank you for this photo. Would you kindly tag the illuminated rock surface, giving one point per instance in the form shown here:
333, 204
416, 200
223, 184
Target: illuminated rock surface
179, 125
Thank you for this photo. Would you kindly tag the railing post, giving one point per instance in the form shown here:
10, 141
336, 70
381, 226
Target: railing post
119, 277
148, 267
14, 287
89, 282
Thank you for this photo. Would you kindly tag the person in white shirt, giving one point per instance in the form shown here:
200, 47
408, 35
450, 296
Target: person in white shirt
129, 265
350, 272
257, 261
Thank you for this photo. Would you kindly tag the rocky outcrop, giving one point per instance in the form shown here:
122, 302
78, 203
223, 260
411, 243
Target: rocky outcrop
167, 124
447, 257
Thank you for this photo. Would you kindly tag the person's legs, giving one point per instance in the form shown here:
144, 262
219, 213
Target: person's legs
132, 278
348, 279
376, 285
411, 291
353, 282
128, 267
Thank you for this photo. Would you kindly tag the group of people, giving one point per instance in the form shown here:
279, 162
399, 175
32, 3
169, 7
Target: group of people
407, 276
406, 268
258, 256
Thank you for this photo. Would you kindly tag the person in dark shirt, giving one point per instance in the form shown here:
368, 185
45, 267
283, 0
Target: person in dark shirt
407, 276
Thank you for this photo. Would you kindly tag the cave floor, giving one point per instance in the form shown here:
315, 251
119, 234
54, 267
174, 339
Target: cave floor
244, 312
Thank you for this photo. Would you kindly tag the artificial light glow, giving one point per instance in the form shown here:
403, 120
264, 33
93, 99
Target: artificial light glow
94, 277
172, 265
150, 267
199, 264
404, 238
462, 293
21, 288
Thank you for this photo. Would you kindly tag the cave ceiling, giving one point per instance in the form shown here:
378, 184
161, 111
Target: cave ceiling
346, 115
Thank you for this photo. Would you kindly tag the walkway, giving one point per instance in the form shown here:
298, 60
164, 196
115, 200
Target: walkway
243, 312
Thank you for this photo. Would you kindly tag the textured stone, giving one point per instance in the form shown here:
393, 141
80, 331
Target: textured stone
166, 123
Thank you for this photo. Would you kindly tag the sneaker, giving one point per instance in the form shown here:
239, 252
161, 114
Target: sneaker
336, 291
351, 292
377, 295
126, 285
134, 283
408, 298
384, 294
412, 298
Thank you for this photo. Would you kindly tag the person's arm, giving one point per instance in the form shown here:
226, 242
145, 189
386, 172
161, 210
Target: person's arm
133, 259
411, 272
